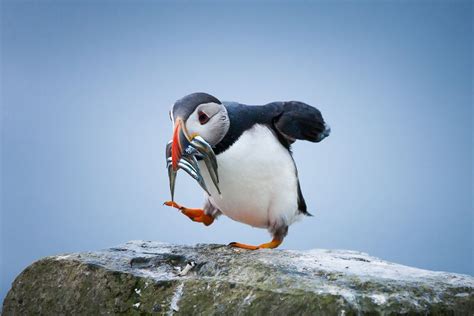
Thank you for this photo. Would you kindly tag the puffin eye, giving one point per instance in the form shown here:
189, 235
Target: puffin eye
203, 118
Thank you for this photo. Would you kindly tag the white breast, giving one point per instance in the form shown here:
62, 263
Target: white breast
257, 179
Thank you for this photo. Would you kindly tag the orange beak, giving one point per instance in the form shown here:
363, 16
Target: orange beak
176, 148
180, 142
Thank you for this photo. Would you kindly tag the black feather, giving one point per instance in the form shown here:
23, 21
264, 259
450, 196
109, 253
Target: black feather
298, 120
289, 120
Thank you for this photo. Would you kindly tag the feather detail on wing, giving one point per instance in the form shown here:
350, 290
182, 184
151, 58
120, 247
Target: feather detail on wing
297, 120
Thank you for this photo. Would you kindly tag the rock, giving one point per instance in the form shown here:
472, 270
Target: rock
141, 277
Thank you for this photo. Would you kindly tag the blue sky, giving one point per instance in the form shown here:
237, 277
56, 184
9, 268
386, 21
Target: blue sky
86, 88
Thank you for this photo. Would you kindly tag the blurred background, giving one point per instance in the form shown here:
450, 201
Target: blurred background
85, 93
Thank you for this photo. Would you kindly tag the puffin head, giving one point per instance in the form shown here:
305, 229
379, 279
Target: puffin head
197, 114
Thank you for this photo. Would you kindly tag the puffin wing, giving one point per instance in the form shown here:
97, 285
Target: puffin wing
297, 120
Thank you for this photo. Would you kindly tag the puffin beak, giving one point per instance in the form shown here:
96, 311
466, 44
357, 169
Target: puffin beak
181, 153
177, 147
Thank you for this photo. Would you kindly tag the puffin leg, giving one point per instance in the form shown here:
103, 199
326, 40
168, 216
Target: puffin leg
278, 231
195, 214
272, 244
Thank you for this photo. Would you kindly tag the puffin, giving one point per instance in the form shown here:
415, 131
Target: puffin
241, 157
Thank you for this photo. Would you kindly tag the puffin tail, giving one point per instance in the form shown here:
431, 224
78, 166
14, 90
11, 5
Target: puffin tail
301, 203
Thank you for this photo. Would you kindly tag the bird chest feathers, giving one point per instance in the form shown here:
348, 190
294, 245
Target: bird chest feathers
257, 180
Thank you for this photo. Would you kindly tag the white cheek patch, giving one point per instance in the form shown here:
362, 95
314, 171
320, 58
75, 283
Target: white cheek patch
193, 125
217, 126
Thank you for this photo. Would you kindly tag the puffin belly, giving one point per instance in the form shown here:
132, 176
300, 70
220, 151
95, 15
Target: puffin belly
257, 179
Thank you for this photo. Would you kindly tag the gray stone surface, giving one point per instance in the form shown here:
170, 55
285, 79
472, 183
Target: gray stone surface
141, 277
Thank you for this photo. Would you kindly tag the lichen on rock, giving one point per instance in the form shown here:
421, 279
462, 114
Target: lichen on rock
142, 277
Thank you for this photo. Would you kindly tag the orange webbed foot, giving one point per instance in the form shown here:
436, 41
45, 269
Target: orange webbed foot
195, 214
272, 244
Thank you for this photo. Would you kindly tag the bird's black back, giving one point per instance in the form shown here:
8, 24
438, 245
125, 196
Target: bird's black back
242, 117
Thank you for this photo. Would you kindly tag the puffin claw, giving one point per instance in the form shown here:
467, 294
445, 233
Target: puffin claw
272, 244
243, 246
172, 204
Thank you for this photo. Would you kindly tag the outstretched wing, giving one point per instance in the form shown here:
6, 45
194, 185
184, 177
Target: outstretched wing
297, 120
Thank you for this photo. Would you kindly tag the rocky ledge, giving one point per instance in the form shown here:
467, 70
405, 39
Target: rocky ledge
142, 277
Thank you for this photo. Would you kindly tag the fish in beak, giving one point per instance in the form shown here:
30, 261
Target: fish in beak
183, 152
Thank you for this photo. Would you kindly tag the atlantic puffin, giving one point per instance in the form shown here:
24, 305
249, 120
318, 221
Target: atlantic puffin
241, 156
